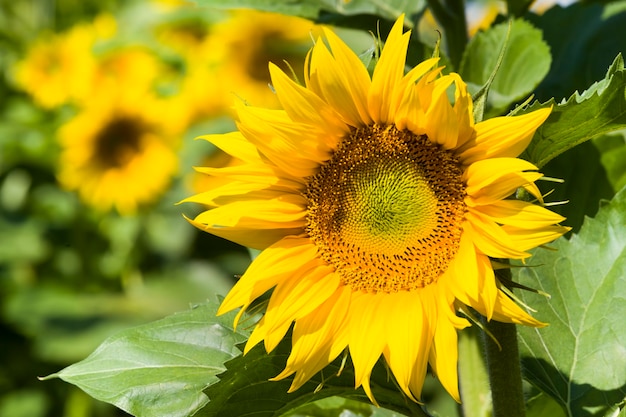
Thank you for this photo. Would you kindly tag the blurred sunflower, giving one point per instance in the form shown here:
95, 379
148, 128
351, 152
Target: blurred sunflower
119, 151
245, 42
377, 204
58, 68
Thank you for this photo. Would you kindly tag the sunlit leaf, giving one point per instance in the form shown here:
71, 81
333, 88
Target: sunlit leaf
599, 110
526, 61
161, 368
580, 358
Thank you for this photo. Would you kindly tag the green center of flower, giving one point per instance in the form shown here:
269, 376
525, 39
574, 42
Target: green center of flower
386, 209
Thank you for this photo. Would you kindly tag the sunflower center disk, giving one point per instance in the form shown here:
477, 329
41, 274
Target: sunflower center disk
386, 209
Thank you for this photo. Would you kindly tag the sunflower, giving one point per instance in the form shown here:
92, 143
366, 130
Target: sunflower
243, 44
377, 203
118, 154
59, 68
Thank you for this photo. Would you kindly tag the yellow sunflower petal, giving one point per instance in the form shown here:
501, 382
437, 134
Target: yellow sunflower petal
441, 123
526, 239
297, 297
489, 238
329, 81
318, 338
520, 214
235, 145
491, 180
409, 336
507, 311
471, 278
444, 355
304, 106
406, 100
354, 73
464, 109
282, 141
272, 266
389, 70
235, 221
505, 136
365, 330
255, 173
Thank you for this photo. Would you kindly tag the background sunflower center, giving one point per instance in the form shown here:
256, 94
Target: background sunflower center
118, 142
386, 209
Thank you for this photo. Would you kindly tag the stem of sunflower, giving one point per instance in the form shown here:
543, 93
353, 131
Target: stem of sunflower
503, 367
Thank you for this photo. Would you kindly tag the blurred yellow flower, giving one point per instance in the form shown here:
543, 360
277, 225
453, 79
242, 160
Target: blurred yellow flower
119, 151
244, 44
59, 68
377, 204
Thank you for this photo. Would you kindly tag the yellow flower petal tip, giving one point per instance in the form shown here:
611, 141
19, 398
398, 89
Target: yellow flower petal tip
377, 204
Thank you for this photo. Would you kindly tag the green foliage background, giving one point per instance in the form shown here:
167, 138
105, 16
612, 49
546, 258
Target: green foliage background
70, 278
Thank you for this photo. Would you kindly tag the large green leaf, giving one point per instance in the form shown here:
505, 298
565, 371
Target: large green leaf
580, 358
314, 9
584, 40
599, 110
526, 61
160, 369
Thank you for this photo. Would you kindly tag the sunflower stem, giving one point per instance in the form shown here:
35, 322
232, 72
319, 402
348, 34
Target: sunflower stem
503, 366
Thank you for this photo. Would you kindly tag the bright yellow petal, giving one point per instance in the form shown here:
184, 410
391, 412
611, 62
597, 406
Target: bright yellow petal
296, 297
507, 311
304, 106
409, 337
272, 266
492, 180
520, 214
526, 239
233, 191
489, 237
255, 224
470, 277
290, 146
366, 343
264, 174
318, 338
406, 101
329, 81
505, 136
355, 75
464, 109
445, 354
388, 72
441, 123
235, 145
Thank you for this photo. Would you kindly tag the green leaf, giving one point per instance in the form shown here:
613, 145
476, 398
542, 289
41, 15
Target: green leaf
526, 61
583, 189
580, 358
583, 42
543, 405
160, 368
314, 9
613, 157
599, 110
245, 388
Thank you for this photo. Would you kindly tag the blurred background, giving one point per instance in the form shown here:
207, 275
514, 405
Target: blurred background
100, 102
